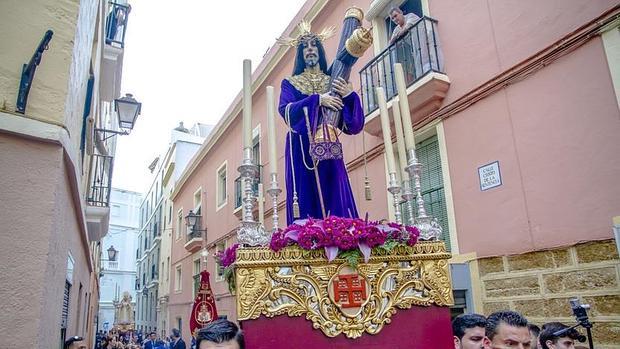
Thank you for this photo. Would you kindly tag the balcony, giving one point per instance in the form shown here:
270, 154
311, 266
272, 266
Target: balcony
112, 65
116, 24
101, 181
110, 265
420, 54
98, 199
194, 239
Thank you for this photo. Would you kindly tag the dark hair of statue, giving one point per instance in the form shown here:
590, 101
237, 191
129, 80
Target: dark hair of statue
467, 321
220, 331
508, 317
300, 63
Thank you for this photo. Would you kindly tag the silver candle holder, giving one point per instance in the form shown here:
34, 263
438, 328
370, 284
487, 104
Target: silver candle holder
394, 189
429, 227
408, 197
250, 233
274, 191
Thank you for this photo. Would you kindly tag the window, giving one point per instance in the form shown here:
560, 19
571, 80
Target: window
196, 276
65, 312
197, 201
409, 6
115, 210
179, 324
220, 247
177, 280
256, 145
221, 186
167, 269
179, 224
432, 184
79, 306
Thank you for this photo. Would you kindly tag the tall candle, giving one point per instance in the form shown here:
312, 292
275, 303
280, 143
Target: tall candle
247, 103
271, 125
404, 106
261, 204
400, 140
385, 128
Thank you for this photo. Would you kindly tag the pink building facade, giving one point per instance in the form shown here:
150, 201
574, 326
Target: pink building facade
528, 87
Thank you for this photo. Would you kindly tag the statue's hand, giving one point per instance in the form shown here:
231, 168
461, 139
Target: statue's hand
342, 87
332, 102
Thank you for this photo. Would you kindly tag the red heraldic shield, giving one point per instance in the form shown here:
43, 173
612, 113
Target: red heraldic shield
203, 311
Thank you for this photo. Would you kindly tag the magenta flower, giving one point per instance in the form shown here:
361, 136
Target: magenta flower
336, 234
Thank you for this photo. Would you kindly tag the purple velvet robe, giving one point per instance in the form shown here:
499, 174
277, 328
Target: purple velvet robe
335, 186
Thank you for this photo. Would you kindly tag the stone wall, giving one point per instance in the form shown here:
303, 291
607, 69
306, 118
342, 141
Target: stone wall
539, 285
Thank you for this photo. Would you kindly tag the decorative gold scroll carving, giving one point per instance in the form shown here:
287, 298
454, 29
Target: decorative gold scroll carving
295, 282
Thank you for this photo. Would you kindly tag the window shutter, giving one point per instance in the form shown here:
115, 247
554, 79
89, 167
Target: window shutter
65, 306
432, 184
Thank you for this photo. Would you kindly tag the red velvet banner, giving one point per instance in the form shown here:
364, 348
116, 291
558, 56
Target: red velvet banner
415, 328
204, 310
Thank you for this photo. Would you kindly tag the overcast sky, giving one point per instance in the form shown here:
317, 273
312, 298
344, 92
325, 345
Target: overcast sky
183, 61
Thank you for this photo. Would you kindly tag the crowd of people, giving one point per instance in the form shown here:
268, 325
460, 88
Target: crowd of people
500, 330
116, 340
221, 334
508, 330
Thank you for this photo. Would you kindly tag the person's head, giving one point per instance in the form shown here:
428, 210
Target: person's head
468, 331
152, 336
397, 16
75, 342
556, 335
310, 54
220, 334
175, 334
508, 330
534, 332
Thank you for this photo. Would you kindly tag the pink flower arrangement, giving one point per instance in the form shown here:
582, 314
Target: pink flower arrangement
227, 257
336, 234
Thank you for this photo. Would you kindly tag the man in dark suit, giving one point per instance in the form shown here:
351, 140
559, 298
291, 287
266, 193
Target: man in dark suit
177, 341
150, 342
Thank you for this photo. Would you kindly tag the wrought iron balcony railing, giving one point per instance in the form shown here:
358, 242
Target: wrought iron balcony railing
116, 24
418, 51
196, 233
110, 265
101, 181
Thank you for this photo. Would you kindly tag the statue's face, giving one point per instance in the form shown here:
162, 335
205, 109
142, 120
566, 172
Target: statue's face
311, 53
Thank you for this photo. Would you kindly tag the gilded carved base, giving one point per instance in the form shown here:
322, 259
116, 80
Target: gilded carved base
297, 282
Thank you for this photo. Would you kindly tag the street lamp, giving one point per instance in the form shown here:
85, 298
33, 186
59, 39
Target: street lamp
127, 109
191, 219
112, 252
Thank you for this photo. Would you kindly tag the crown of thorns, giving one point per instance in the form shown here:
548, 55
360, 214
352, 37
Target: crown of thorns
306, 34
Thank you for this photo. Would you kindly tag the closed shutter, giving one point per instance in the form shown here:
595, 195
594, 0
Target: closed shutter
65, 306
431, 181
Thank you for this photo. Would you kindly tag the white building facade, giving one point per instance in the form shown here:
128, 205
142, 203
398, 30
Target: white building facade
156, 219
119, 273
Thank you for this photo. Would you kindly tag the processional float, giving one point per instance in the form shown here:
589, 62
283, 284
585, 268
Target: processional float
388, 286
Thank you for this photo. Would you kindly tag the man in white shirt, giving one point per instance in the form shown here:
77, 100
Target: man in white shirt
403, 22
